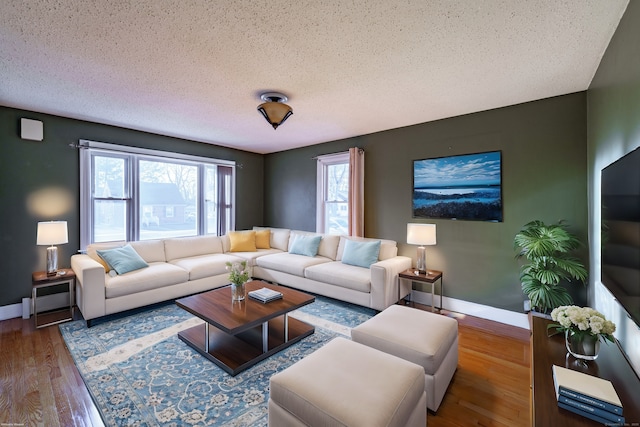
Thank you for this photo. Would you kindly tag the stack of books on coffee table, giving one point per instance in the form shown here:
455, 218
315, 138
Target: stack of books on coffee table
265, 295
592, 397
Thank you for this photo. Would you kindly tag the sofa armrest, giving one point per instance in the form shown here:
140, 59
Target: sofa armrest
90, 286
384, 281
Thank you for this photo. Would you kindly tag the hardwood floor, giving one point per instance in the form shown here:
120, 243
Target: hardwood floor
40, 385
491, 386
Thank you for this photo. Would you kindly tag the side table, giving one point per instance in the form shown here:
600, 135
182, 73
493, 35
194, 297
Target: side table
431, 278
612, 364
40, 280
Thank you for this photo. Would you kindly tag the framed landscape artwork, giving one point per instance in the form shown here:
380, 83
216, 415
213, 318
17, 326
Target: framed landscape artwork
466, 187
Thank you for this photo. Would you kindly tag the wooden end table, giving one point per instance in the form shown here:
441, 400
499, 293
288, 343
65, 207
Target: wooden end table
431, 277
40, 280
238, 334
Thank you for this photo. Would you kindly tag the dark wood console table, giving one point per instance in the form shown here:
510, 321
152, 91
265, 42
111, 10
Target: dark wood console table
610, 364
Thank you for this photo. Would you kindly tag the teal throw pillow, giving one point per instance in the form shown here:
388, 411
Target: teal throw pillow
123, 260
361, 254
305, 245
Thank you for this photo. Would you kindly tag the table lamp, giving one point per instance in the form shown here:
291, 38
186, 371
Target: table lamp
52, 233
421, 234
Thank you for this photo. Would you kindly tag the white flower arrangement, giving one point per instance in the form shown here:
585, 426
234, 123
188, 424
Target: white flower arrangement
238, 272
582, 321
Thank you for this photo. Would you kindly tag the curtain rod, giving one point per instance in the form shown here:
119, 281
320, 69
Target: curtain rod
361, 150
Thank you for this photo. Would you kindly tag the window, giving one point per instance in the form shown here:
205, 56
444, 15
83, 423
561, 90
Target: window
333, 194
135, 194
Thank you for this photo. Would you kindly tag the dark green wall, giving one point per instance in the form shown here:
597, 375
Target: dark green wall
31, 171
543, 146
613, 131
544, 177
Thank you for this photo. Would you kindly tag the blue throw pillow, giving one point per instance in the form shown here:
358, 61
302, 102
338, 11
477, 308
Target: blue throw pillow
305, 245
361, 254
123, 260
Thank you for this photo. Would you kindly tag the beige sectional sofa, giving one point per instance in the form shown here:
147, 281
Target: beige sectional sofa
187, 265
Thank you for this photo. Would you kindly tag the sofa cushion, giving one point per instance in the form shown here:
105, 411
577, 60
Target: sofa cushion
263, 239
184, 247
289, 263
328, 244
251, 257
337, 273
279, 238
242, 241
388, 248
205, 265
150, 250
123, 260
361, 254
158, 274
305, 245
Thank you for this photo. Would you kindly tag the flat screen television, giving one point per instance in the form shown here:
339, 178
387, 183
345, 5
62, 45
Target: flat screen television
621, 231
467, 187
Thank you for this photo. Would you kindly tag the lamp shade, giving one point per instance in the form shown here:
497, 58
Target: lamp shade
274, 110
52, 233
421, 234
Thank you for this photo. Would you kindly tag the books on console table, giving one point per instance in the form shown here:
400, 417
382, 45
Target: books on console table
587, 395
265, 295
589, 411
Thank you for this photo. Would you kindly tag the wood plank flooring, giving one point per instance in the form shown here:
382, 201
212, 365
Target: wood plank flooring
491, 386
40, 385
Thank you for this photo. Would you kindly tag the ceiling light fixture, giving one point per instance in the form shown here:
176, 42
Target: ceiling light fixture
274, 108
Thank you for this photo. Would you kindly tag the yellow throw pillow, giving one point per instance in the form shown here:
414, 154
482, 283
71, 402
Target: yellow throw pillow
262, 239
94, 255
242, 241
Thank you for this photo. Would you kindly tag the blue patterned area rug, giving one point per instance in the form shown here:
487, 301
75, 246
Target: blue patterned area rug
140, 373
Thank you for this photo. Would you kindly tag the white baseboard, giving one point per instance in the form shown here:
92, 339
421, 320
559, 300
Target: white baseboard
10, 311
512, 318
45, 303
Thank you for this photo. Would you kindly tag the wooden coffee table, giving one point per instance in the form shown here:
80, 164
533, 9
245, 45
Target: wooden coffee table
238, 334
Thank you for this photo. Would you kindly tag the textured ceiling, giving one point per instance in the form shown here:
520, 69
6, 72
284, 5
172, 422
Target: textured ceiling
195, 69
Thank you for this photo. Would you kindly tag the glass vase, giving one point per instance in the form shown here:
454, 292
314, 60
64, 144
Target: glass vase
582, 346
238, 292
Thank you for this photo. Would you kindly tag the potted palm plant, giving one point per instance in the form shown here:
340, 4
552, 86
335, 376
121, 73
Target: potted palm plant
547, 251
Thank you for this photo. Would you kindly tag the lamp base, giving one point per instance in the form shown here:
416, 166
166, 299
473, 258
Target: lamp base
52, 261
421, 263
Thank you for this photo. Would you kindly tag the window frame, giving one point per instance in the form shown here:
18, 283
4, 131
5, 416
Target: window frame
323, 163
132, 156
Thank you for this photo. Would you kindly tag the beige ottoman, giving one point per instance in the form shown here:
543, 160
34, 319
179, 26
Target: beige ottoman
348, 384
427, 339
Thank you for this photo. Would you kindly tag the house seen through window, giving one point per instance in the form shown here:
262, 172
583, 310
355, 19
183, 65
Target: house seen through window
133, 194
333, 194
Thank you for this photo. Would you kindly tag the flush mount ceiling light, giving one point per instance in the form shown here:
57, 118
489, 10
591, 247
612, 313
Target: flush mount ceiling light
274, 108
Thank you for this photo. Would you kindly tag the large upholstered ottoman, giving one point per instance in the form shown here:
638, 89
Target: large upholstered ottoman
348, 384
427, 339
